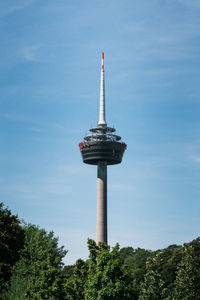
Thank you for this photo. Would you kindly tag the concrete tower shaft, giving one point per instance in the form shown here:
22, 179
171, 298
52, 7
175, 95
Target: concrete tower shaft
101, 228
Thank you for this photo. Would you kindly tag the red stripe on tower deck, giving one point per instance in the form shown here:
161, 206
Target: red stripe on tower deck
102, 55
102, 68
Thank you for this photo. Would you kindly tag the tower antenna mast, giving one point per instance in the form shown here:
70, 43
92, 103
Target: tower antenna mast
102, 112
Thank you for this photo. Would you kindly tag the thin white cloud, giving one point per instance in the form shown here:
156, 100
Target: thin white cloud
122, 186
17, 117
68, 169
190, 4
196, 159
30, 53
36, 130
22, 188
9, 7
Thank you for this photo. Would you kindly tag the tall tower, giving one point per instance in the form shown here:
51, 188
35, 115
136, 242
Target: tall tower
102, 147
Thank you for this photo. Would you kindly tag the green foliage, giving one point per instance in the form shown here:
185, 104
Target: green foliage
49, 283
40, 264
169, 258
187, 283
17, 289
68, 270
107, 279
126, 253
75, 284
31, 268
161, 273
135, 262
152, 286
11, 241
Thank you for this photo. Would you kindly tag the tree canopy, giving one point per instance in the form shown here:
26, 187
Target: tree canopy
107, 278
11, 241
39, 265
31, 268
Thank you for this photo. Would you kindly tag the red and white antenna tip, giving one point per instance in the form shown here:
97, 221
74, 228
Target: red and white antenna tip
102, 62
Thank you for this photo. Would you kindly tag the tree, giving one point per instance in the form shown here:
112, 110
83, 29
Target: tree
152, 286
126, 253
135, 262
187, 283
49, 283
17, 288
68, 270
107, 279
40, 264
11, 241
160, 274
75, 283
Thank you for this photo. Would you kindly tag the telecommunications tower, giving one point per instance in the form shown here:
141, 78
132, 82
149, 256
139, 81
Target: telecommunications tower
102, 147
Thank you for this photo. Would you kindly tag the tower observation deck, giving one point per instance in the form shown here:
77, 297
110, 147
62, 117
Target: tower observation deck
102, 147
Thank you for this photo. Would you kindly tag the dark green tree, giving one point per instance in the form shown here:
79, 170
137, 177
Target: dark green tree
68, 270
40, 265
11, 241
135, 262
187, 283
75, 283
126, 253
107, 278
152, 288
161, 273
169, 258
49, 283
16, 291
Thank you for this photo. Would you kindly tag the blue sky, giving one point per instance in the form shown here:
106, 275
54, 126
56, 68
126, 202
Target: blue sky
50, 59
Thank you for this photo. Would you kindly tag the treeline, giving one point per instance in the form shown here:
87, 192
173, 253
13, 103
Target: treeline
31, 267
